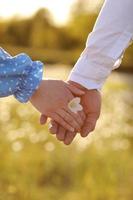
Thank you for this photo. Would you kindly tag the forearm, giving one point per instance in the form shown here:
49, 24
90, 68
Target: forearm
110, 37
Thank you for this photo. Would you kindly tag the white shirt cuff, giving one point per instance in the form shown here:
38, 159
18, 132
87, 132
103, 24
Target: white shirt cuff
85, 82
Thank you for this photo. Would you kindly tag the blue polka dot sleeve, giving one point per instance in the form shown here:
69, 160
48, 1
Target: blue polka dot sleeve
19, 76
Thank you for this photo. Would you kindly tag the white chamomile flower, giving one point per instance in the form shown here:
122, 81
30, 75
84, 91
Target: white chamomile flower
74, 105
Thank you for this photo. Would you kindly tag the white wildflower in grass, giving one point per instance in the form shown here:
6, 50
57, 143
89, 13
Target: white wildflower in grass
74, 105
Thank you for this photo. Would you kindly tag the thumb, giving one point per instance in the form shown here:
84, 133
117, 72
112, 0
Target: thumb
76, 91
43, 119
89, 125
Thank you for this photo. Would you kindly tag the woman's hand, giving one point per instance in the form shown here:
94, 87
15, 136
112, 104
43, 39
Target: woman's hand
52, 98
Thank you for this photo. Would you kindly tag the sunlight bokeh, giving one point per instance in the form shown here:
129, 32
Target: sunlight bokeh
59, 8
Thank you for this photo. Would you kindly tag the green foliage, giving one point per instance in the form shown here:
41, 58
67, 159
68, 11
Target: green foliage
81, 21
80, 25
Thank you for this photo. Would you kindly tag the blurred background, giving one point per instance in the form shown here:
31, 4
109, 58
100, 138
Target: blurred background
33, 164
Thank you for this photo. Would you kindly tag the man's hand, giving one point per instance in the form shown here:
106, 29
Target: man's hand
91, 103
52, 98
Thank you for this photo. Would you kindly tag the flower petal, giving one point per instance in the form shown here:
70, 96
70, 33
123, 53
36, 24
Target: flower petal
74, 105
77, 100
80, 107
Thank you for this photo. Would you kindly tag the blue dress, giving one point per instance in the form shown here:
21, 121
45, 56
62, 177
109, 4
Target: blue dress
19, 76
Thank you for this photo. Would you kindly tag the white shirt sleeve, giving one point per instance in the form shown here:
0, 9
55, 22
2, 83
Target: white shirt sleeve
111, 35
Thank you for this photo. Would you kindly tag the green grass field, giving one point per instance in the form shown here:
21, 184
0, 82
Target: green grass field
35, 166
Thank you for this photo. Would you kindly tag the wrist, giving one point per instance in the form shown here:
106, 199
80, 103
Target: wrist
36, 92
80, 86
77, 85
29, 82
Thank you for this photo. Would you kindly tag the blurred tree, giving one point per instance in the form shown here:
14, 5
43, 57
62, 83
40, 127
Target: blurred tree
43, 32
18, 32
2, 31
39, 31
81, 21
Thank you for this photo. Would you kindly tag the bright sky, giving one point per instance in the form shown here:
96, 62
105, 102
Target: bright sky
59, 8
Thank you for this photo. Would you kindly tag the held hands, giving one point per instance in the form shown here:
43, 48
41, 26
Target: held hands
91, 102
52, 98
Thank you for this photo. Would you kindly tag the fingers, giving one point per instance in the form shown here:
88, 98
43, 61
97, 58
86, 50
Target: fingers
76, 91
79, 118
61, 133
53, 128
62, 122
43, 119
69, 137
89, 124
82, 115
69, 118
